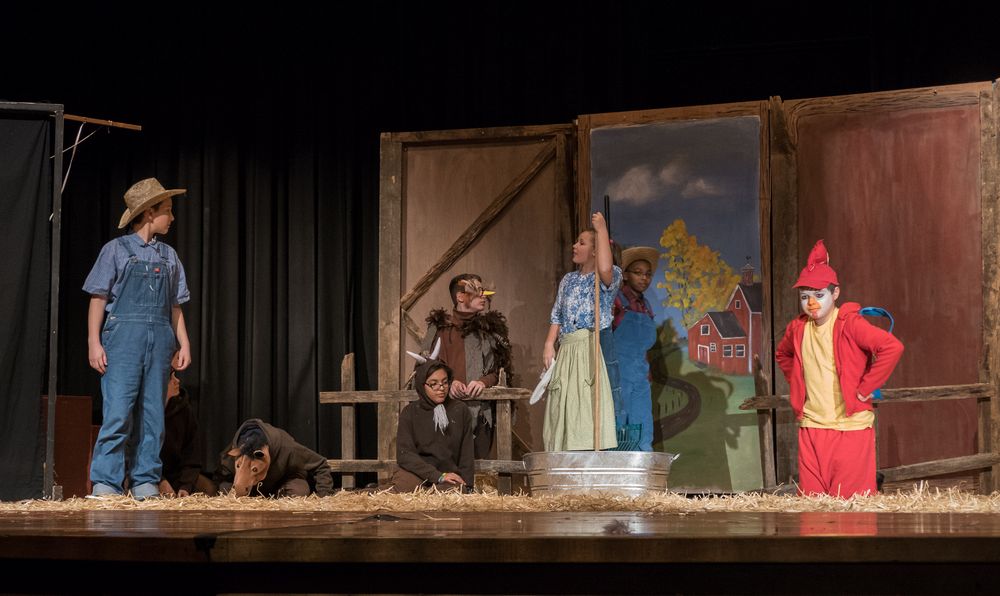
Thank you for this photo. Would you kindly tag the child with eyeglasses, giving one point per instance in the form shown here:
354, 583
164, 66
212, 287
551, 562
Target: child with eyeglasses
635, 334
434, 436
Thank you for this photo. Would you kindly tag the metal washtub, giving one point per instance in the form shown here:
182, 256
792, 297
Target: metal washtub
631, 473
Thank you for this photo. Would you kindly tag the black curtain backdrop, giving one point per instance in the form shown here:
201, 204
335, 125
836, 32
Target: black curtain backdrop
25, 204
271, 235
272, 122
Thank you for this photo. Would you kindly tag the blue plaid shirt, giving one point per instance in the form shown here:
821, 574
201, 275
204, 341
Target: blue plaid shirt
106, 277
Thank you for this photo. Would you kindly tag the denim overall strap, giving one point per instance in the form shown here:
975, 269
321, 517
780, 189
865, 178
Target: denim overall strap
146, 289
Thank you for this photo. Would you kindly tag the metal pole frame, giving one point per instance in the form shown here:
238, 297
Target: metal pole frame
49, 489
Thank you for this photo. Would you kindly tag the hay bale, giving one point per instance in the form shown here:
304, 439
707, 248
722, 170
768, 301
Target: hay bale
920, 499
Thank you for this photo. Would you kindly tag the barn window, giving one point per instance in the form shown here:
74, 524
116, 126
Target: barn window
704, 330
727, 351
738, 304
741, 351
712, 347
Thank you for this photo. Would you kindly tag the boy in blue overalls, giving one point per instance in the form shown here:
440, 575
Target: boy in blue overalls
140, 283
635, 334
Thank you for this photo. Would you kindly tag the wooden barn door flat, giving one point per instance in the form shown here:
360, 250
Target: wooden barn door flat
497, 202
901, 186
760, 110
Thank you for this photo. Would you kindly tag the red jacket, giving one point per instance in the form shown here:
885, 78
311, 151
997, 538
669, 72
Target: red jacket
863, 354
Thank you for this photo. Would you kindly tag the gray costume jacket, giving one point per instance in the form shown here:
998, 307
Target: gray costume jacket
487, 349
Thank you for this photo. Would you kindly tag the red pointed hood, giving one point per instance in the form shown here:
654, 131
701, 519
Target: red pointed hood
818, 273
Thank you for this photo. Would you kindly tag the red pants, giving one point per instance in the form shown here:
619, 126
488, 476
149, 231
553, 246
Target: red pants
836, 462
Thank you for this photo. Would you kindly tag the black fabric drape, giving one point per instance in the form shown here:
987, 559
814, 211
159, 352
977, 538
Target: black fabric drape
25, 203
270, 236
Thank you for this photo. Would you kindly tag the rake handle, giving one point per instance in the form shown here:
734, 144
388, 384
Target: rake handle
597, 360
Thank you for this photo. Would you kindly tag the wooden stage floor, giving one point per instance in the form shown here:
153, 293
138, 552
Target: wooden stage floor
498, 552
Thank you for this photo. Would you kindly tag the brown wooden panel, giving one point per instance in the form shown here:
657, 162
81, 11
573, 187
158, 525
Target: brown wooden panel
892, 182
896, 196
911, 433
445, 189
73, 443
721, 110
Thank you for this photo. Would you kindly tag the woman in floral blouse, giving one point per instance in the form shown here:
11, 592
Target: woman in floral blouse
569, 412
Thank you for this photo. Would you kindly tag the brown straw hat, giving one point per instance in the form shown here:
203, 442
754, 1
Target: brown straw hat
143, 195
640, 253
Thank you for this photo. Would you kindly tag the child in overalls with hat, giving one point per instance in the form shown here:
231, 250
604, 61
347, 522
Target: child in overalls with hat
139, 282
635, 334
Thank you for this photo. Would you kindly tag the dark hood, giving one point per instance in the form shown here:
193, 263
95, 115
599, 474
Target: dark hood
177, 404
420, 375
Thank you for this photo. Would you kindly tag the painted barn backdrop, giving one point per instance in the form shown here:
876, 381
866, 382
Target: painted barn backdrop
893, 182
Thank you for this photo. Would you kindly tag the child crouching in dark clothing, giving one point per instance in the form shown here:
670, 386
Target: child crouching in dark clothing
265, 460
434, 440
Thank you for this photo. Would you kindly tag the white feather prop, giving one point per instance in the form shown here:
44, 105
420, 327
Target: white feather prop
543, 384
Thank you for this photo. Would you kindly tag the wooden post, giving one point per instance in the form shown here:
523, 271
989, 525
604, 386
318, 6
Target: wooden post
389, 282
347, 418
502, 428
765, 426
784, 265
989, 412
597, 354
985, 444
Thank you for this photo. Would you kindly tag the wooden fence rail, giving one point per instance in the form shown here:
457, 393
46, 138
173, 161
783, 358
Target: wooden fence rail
348, 399
983, 393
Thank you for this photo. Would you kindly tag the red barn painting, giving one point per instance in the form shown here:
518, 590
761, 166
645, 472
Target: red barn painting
727, 340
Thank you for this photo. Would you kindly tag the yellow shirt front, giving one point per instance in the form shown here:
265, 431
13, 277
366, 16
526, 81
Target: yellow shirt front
824, 407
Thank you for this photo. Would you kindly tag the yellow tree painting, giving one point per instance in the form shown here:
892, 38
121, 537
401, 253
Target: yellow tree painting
695, 277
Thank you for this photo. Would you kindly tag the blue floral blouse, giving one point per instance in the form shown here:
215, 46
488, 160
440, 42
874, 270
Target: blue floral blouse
574, 307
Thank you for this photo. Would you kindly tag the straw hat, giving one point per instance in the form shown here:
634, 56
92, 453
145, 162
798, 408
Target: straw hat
143, 195
640, 253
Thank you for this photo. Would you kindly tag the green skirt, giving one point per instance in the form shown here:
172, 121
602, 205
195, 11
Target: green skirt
569, 410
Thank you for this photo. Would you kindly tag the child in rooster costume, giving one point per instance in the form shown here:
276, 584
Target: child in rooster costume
834, 360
